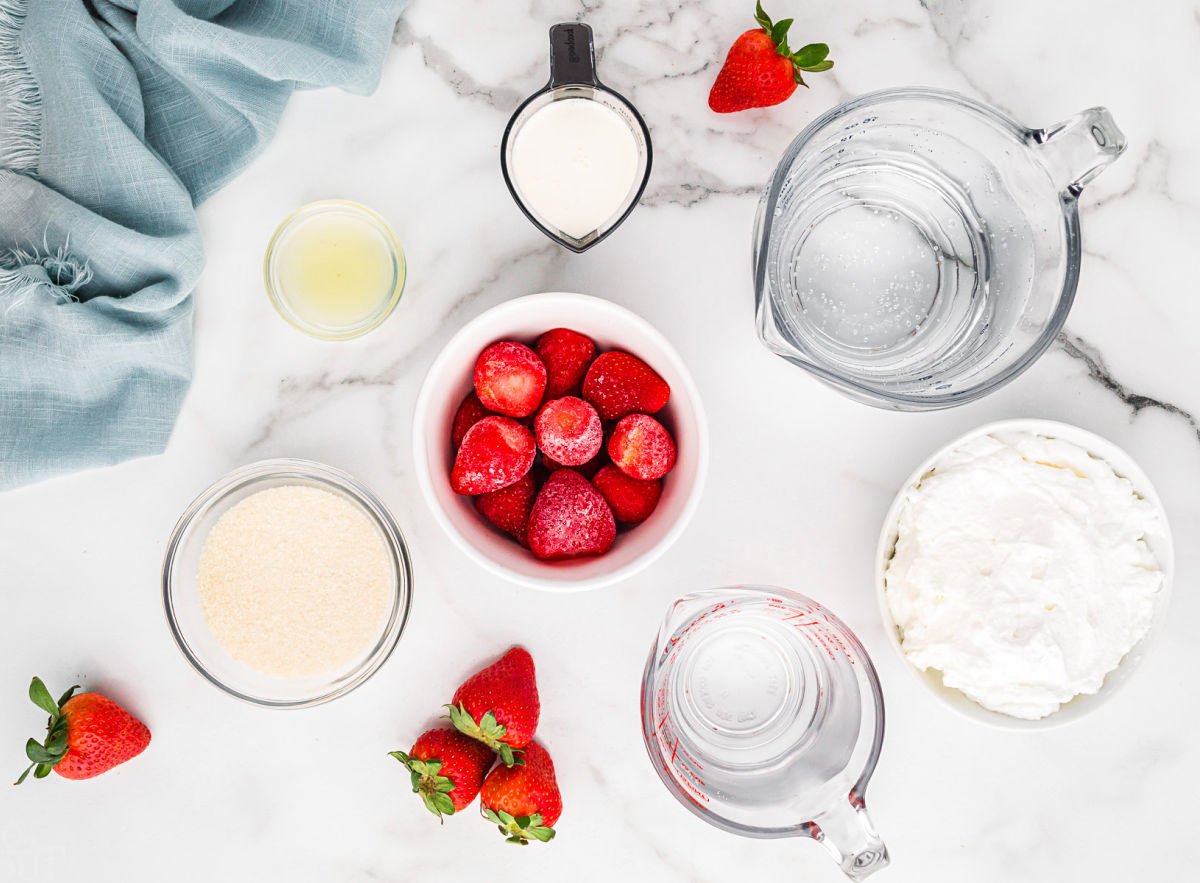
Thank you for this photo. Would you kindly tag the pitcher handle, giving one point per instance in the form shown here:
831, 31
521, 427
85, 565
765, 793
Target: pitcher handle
847, 832
1080, 148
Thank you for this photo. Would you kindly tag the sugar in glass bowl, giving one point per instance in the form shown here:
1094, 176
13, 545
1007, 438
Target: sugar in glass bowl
181, 594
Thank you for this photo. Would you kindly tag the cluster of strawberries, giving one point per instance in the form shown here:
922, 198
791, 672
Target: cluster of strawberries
541, 422
494, 714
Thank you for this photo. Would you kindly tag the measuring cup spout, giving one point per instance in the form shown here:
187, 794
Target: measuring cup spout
1077, 150
847, 832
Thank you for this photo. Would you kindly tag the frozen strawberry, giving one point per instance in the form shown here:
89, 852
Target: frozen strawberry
568, 431
570, 518
566, 355
508, 508
618, 384
470, 412
642, 448
631, 500
510, 379
495, 452
587, 470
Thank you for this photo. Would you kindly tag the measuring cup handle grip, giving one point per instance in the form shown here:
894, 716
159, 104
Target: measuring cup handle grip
572, 55
847, 832
1077, 150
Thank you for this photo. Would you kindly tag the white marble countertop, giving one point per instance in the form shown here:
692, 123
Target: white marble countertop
800, 476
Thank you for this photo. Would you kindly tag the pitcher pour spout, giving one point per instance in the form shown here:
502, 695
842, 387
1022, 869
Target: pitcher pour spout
1076, 150
848, 833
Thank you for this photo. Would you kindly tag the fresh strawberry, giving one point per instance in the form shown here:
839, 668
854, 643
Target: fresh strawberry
508, 508
88, 734
570, 519
568, 431
761, 70
447, 769
618, 384
495, 452
470, 412
510, 379
566, 355
631, 500
523, 801
499, 705
642, 448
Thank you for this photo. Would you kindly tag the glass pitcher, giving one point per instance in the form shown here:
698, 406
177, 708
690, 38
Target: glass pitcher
917, 249
763, 715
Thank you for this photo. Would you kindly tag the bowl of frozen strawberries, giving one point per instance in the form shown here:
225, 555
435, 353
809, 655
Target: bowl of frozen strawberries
560, 441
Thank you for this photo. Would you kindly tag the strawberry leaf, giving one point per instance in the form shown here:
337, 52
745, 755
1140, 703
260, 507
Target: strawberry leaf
762, 18
820, 66
813, 53
41, 697
779, 36
540, 833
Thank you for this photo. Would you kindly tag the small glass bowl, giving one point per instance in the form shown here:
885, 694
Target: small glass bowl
277, 290
181, 597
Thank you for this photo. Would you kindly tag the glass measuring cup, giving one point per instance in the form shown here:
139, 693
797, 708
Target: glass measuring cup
918, 249
573, 78
763, 715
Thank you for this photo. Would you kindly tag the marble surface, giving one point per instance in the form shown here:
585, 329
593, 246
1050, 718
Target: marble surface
800, 476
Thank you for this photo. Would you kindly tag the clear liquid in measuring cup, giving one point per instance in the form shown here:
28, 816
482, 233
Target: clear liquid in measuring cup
754, 708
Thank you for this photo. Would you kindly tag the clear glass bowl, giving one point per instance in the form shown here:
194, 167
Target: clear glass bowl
917, 249
181, 595
286, 301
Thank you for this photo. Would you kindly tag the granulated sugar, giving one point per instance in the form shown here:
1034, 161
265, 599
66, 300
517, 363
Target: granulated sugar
295, 581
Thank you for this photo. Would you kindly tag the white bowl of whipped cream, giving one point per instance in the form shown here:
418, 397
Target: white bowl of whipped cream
1021, 570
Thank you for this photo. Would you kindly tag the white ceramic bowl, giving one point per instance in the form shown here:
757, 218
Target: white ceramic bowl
1161, 545
612, 327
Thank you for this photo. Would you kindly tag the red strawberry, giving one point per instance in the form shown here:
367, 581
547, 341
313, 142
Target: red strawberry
495, 452
508, 508
761, 70
642, 448
523, 801
447, 769
568, 431
618, 384
566, 355
510, 379
631, 500
470, 412
587, 470
88, 734
570, 518
499, 705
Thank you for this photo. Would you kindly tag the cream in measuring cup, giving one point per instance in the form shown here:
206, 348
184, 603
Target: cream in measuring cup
576, 155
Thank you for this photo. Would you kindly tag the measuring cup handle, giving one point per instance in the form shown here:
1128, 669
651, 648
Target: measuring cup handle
572, 55
1077, 150
847, 832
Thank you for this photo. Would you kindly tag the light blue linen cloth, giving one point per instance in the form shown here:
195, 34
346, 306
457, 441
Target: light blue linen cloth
118, 117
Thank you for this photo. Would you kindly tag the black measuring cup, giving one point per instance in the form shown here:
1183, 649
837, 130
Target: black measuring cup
573, 76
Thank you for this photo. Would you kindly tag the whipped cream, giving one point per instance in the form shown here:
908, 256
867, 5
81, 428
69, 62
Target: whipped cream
1022, 572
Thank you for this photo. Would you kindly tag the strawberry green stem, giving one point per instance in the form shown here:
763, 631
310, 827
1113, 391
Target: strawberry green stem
812, 57
44, 756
